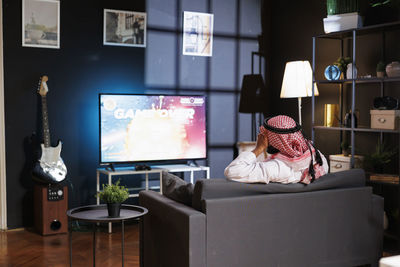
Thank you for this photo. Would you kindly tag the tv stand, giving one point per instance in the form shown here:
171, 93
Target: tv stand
184, 168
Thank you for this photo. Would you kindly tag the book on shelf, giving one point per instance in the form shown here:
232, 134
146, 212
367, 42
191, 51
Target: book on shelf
386, 178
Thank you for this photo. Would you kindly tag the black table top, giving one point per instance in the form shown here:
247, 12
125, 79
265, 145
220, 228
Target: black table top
99, 213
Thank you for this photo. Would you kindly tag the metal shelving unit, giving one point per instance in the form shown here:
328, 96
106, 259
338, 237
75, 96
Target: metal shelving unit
352, 36
342, 36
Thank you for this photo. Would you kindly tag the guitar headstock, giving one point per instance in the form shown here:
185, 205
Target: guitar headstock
42, 88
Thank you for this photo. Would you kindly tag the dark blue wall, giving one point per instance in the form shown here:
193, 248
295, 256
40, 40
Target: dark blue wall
82, 68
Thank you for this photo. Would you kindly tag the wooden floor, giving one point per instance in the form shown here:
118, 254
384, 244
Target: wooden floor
27, 248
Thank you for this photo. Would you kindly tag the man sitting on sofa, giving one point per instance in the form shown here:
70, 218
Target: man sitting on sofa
290, 162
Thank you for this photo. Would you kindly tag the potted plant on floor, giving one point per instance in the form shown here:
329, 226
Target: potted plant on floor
114, 195
377, 160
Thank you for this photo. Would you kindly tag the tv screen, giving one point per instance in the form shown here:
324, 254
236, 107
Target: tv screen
141, 128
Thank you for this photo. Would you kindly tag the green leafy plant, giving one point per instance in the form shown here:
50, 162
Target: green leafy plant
377, 160
377, 3
345, 145
342, 6
342, 62
114, 193
380, 67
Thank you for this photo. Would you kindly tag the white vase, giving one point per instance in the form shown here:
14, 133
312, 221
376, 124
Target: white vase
393, 69
349, 72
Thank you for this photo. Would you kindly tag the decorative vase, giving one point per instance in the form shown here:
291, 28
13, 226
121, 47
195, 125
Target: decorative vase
332, 72
349, 72
347, 119
393, 69
113, 209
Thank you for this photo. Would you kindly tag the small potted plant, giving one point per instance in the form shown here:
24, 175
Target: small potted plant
113, 195
345, 148
380, 69
342, 63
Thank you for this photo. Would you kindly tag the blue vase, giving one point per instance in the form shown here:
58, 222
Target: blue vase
332, 72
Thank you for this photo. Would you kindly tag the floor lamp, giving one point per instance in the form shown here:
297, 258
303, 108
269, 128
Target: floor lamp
297, 82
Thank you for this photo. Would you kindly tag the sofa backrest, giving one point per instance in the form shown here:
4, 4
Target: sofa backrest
223, 188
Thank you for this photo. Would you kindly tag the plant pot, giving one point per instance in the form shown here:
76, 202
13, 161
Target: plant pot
380, 74
345, 152
113, 209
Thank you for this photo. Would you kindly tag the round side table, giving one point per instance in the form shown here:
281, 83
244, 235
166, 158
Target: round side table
98, 214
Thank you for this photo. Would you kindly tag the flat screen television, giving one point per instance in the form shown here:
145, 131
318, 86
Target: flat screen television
149, 128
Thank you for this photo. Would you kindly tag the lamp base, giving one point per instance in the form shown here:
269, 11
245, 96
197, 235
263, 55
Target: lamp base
299, 100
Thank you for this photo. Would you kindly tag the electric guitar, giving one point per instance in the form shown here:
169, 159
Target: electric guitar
50, 168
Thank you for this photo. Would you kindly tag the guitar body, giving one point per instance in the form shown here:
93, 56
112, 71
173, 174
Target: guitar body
51, 167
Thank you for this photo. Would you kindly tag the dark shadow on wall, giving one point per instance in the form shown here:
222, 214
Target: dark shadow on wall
174, 80
31, 145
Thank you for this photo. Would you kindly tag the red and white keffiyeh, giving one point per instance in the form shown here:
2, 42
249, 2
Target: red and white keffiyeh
293, 148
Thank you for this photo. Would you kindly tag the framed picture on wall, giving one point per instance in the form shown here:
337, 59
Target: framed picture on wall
124, 28
41, 23
197, 33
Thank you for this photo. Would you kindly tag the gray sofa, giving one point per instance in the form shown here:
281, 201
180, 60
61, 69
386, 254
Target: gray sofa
335, 221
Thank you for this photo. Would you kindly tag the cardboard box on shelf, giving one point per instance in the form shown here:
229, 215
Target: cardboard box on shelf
384, 119
341, 162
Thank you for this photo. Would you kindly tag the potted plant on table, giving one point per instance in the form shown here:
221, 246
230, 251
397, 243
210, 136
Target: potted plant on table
114, 195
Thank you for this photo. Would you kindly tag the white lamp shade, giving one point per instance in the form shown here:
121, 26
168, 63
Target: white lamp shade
297, 80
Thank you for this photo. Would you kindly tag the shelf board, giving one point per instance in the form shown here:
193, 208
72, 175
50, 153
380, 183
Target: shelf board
382, 183
358, 129
360, 80
361, 31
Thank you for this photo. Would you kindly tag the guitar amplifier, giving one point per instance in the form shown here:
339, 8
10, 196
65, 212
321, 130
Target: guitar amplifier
50, 209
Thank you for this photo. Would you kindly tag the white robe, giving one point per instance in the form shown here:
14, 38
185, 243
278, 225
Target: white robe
246, 168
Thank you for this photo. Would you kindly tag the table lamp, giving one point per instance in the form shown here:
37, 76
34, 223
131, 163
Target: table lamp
297, 82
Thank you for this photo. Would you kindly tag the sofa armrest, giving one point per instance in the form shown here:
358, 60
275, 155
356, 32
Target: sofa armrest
172, 234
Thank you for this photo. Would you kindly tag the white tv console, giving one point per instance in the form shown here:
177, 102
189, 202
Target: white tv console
156, 169
184, 168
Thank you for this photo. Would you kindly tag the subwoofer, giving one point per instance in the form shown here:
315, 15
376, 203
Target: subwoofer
50, 209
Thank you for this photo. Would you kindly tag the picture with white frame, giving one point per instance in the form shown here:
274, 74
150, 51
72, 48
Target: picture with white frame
197, 33
124, 28
41, 23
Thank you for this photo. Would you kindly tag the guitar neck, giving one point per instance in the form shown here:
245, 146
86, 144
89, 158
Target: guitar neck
46, 131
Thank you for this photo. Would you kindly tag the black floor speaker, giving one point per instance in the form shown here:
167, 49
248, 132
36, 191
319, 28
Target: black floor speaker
50, 209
